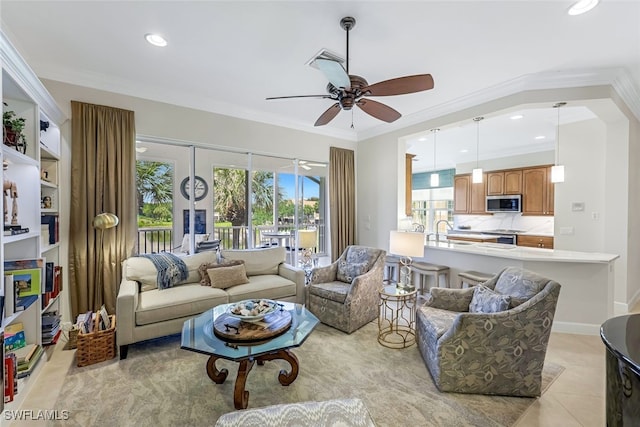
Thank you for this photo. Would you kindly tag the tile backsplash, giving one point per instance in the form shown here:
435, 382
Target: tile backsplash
512, 221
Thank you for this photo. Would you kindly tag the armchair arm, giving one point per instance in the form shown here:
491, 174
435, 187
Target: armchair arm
367, 284
295, 275
126, 304
324, 274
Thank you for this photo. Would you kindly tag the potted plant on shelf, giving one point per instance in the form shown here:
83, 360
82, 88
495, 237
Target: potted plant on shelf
13, 131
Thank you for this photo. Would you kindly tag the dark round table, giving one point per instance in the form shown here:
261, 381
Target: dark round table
621, 336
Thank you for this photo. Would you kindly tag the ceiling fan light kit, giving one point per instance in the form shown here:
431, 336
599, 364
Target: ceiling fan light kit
348, 90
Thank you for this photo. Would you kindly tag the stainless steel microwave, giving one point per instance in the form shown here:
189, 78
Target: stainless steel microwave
510, 203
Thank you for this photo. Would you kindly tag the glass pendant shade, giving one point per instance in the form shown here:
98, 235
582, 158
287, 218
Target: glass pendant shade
557, 173
476, 176
435, 180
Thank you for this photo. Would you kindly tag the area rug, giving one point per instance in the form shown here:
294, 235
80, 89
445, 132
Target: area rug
161, 385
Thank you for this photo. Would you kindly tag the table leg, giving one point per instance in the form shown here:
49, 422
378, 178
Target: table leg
284, 377
240, 395
217, 376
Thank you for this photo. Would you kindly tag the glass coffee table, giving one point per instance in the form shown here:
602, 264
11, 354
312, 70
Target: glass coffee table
228, 341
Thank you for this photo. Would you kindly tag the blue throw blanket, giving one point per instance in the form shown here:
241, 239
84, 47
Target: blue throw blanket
171, 269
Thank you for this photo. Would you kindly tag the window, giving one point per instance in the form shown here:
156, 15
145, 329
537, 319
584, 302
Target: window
154, 187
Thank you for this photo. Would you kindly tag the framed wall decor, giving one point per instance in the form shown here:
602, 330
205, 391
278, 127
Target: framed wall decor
200, 221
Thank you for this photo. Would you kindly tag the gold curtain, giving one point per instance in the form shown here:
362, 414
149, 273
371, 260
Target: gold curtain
102, 180
342, 200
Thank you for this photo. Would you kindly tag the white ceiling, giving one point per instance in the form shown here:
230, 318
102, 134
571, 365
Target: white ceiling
226, 57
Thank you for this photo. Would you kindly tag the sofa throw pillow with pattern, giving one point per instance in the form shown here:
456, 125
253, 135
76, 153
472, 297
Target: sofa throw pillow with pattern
450, 298
225, 276
348, 271
205, 280
486, 301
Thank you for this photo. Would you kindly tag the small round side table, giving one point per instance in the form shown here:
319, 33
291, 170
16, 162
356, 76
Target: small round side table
397, 317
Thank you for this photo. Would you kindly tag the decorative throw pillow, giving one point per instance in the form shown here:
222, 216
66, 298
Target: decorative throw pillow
226, 276
205, 280
486, 301
347, 271
451, 299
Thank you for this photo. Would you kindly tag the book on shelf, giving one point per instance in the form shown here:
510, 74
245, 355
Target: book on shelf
22, 303
52, 340
14, 337
10, 377
25, 369
27, 281
52, 222
16, 231
10, 295
25, 353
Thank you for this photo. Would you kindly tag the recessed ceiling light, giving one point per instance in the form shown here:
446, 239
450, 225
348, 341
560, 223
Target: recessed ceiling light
539, 137
422, 139
155, 39
516, 117
464, 150
583, 6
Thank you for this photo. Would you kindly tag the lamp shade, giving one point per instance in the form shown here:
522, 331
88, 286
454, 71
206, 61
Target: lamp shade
105, 220
406, 243
307, 238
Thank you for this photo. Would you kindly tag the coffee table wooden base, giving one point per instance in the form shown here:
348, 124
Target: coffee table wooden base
240, 395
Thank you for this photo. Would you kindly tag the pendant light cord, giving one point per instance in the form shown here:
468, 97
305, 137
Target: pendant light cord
558, 105
435, 131
477, 120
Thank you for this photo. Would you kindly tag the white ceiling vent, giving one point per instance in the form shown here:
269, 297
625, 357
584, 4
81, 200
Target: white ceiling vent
324, 54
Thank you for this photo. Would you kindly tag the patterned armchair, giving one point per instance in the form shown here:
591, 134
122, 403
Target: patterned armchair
489, 353
344, 295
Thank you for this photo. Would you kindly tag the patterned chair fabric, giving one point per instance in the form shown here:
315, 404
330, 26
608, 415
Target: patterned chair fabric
344, 295
490, 353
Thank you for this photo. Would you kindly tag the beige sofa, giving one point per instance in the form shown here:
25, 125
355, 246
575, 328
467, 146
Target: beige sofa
143, 311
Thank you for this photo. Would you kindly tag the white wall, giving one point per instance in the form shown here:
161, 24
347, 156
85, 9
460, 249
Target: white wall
519, 161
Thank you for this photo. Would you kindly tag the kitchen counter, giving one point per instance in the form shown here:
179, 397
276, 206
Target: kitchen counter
587, 279
522, 253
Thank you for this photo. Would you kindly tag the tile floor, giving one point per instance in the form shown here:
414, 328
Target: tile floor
576, 397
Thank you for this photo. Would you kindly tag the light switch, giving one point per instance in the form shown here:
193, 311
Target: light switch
577, 206
595, 216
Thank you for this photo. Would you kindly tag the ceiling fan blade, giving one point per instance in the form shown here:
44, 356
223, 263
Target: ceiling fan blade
379, 110
334, 72
328, 115
298, 96
400, 85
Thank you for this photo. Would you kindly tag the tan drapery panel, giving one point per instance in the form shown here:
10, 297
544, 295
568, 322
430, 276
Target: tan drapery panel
342, 200
102, 180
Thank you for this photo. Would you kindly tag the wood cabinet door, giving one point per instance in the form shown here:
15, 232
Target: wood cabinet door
495, 183
535, 241
513, 182
550, 197
461, 194
534, 191
478, 197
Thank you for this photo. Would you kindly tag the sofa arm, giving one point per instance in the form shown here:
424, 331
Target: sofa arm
126, 305
295, 275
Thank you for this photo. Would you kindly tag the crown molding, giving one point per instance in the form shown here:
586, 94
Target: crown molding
618, 78
23, 75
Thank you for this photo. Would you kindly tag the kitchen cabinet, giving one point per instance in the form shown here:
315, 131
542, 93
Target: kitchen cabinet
504, 182
469, 198
535, 241
537, 191
453, 237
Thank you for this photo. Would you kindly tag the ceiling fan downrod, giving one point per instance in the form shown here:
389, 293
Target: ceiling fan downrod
347, 23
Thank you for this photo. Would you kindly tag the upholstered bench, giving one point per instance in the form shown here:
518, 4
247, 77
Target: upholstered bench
342, 412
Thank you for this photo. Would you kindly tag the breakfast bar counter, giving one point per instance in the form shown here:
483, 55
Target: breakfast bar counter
587, 279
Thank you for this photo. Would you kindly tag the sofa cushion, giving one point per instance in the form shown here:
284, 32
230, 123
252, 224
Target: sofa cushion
348, 271
173, 303
204, 275
226, 276
334, 291
451, 298
267, 286
436, 321
487, 301
519, 284
142, 270
258, 261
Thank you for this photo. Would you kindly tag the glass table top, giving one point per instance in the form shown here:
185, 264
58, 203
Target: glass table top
198, 335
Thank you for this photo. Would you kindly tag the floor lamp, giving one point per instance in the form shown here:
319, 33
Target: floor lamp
102, 222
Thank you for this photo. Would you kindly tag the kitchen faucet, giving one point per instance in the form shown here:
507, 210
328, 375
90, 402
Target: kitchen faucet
438, 225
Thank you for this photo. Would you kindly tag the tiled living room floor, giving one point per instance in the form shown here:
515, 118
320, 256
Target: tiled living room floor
576, 397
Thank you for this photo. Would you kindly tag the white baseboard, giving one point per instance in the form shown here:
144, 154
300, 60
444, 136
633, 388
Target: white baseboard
620, 308
575, 328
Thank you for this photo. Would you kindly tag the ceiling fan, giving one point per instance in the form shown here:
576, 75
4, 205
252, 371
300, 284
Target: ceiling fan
349, 90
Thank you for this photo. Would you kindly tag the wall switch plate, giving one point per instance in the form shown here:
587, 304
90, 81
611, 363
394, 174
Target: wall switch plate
577, 206
566, 230
595, 216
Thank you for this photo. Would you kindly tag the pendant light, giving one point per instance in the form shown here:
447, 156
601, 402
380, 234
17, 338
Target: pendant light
557, 170
476, 176
435, 178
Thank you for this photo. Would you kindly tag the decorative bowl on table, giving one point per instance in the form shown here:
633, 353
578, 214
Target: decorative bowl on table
252, 310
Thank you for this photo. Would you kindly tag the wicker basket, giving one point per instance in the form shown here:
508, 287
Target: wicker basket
96, 346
